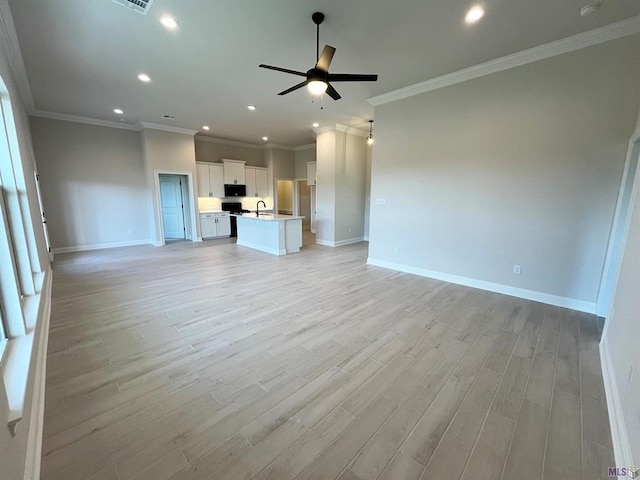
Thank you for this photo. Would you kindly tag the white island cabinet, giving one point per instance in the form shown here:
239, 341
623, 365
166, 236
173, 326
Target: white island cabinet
274, 234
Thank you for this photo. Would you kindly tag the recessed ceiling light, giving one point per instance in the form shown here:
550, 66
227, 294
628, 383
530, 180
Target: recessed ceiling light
316, 124
169, 22
474, 14
265, 138
251, 107
206, 127
118, 111
143, 77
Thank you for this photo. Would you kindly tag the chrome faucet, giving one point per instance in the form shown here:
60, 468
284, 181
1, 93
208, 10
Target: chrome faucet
258, 207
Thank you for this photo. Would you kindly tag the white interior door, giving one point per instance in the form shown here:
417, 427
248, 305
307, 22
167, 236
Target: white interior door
172, 207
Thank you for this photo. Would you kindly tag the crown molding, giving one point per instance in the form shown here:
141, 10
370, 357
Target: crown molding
224, 141
630, 26
78, 119
166, 128
236, 143
11, 47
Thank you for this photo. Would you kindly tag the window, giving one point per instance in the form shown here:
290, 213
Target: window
21, 274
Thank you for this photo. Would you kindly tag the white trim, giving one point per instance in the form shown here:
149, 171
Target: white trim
157, 244
194, 215
98, 246
629, 26
11, 48
619, 436
78, 119
339, 243
36, 422
571, 303
262, 248
167, 128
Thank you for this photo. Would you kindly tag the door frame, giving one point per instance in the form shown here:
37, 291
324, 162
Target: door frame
619, 229
191, 232
297, 195
184, 205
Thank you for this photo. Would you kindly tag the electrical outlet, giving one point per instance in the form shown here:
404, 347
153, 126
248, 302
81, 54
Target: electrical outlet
380, 201
396, 250
517, 269
349, 229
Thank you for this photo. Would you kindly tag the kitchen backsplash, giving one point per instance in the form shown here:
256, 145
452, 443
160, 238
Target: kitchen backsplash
206, 204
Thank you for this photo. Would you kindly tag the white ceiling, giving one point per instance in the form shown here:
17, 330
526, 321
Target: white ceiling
82, 57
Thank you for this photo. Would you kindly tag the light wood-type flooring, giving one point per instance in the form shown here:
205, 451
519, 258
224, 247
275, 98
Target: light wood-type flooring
213, 361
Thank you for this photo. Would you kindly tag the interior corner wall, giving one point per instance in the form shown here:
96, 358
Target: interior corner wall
350, 176
93, 185
367, 193
325, 187
518, 167
167, 152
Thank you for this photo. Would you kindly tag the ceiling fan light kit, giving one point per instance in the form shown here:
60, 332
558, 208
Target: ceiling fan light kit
318, 79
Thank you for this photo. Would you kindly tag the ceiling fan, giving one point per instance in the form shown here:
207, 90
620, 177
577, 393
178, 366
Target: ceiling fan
318, 78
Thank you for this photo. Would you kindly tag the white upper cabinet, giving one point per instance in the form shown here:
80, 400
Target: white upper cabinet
234, 172
311, 173
210, 179
256, 178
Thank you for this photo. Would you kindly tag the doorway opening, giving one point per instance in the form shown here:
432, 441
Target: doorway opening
175, 207
285, 197
304, 203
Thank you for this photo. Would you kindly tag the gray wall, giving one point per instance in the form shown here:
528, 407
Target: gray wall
341, 185
283, 163
93, 183
301, 158
210, 151
351, 159
519, 167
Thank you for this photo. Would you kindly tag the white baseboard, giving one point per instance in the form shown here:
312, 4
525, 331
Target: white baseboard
98, 246
339, 243
571, 303
272, 251
619, 436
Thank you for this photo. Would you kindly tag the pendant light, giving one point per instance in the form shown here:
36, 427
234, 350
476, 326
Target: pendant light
370, 137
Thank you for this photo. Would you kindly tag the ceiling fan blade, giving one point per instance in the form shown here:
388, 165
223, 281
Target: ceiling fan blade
295, 87
285, 70
333, 93
325, 58
351, 77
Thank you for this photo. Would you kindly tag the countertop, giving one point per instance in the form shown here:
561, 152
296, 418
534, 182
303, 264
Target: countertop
267, 217
211, 211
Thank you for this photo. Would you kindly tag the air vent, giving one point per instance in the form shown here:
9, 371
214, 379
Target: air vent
140, 6
170, 117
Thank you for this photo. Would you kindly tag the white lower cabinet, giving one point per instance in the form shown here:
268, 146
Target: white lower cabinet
214, 225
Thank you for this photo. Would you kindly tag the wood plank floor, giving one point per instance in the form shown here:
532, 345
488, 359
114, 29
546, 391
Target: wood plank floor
212, 361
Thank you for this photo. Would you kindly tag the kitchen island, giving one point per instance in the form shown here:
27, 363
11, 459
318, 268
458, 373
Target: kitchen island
274, 234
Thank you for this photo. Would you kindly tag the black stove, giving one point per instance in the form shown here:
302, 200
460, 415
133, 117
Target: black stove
236, 208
